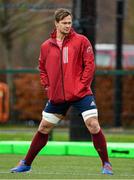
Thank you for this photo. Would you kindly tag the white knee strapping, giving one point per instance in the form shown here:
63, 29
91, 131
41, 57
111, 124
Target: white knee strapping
52, 118
89, 113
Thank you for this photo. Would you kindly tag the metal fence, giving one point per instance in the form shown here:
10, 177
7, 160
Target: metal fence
27, 98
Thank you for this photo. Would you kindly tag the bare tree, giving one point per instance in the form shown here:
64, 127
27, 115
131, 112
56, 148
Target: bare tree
13, 24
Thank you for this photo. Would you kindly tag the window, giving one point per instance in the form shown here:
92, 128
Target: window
103, 59
106, 55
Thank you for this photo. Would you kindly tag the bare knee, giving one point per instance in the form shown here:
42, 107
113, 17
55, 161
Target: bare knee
93, 125
45, 127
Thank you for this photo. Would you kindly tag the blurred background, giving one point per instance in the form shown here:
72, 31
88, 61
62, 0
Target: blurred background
24, 25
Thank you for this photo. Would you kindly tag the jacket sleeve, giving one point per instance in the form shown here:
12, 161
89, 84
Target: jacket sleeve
43, 73
88, 63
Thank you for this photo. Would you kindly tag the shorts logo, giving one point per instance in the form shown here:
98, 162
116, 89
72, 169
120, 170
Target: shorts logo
92, 103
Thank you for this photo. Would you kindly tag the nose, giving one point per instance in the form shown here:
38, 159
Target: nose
67, 25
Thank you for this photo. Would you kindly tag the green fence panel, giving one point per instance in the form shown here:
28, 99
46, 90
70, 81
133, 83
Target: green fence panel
82, 149
6, 147
124, 150
20, 147
54, 148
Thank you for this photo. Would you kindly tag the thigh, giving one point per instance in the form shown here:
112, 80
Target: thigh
52, 113
87, 107
84, 104
59, 108
45, 126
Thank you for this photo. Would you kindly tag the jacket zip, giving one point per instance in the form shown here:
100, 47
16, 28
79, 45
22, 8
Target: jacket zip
61, 50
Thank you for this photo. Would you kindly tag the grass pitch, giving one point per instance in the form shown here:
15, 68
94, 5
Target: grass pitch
66, 167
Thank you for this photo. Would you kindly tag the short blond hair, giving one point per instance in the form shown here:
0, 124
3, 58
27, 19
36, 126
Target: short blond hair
61, 14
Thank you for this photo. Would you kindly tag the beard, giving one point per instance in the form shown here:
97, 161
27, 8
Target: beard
65, 32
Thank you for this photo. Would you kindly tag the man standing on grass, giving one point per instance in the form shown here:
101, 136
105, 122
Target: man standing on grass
67, 68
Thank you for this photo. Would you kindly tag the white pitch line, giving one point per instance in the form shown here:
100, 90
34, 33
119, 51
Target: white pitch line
69, 173
87, 174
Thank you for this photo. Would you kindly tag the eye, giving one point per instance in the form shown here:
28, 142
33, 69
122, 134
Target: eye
66, 23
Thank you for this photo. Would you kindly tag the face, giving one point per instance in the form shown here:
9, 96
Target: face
64, 25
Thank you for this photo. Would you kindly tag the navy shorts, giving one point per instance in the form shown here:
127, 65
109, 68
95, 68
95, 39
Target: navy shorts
86, 106
81, 105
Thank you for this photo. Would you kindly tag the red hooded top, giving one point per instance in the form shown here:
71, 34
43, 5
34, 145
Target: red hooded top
67, 73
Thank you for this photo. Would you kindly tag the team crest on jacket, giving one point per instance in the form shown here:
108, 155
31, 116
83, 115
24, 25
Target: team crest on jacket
89, 49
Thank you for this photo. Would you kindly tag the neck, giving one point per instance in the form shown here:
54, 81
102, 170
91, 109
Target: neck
60, 36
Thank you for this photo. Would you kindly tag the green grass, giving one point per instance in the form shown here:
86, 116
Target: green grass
59, 134
120, 137
66, 167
